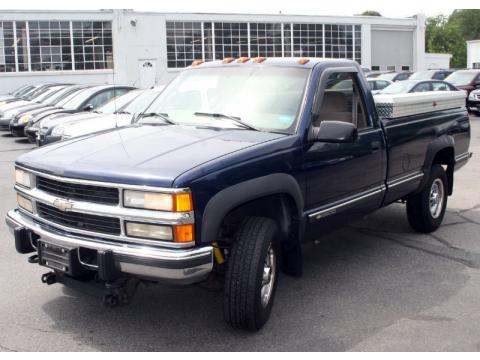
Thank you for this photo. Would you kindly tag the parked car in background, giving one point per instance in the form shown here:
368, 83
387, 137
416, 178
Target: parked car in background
29, 95
75, 126
473, 102
431, 75
395, 76
9, 110
87, 99
415, 86
467, 80
17, 93
19, 122
377, 85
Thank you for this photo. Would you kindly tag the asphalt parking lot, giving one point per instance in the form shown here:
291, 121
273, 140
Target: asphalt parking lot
372, 286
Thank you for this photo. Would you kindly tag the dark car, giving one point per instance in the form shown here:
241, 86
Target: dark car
231, 169
431, 75
416, 86
395, 76
467, 80
473, 102
19, 122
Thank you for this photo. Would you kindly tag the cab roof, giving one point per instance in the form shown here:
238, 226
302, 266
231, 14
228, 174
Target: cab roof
300, 62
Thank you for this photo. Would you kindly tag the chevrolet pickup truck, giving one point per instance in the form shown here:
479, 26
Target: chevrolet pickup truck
233, 166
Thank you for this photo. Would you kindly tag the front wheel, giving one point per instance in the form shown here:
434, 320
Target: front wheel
425, 210
252, 274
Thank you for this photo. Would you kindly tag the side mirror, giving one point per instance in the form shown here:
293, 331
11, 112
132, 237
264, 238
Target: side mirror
89, 107
335, 132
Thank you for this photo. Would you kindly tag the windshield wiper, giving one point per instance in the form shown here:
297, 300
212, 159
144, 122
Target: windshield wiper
123, 112
235, 119
162, 116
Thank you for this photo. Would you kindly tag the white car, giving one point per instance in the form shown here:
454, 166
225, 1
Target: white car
113, 115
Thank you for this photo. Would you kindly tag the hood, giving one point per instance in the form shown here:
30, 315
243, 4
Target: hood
13, 105
140, 155
61, 118
90, 125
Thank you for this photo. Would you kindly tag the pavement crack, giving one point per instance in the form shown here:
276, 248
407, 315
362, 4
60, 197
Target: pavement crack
6, 348
469, 259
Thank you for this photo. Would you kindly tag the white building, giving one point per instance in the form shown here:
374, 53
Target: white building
437, 61
473, 54
143, 49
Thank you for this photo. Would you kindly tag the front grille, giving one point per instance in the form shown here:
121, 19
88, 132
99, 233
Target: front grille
89, 193
95, 223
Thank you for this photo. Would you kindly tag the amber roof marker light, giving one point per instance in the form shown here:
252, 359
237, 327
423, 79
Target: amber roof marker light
197, 62
303, 61
243, 60
228, 60
259, 59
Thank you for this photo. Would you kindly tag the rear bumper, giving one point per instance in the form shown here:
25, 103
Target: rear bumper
178, 266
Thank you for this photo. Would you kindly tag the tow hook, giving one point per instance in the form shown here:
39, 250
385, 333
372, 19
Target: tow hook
49, 278
33, 259
119, 293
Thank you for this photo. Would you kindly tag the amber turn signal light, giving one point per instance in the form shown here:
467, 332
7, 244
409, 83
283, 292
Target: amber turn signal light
228, 60
183, 233
243, 60
197, 62
259, 59
183, 202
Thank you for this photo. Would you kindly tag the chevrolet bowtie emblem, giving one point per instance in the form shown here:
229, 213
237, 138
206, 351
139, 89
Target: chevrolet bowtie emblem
63, 205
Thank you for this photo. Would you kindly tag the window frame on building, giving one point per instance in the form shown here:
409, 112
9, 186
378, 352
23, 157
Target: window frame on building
53, 45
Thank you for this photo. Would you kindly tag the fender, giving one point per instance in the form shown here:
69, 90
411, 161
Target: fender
230, 198
437, 145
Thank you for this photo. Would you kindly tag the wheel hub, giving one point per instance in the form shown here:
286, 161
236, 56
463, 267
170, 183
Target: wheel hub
436, 198
268, 277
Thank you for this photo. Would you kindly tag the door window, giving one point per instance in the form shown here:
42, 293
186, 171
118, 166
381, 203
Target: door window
342, 101
423, 87
381, 84
438, 86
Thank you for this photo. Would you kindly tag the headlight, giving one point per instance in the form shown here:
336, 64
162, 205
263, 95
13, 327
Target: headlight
471, 96
58, 131
177, 233
157, 201
24, 119
23, 178
24, 203
150, 231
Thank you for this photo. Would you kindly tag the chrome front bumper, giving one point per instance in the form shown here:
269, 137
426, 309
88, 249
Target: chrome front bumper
180, 266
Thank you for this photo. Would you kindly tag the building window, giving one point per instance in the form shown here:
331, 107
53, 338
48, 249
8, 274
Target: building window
375, 68
7, 47
231, 40
308, 40
406, 68
184, 43
92, 45
188, 41
46, 45
265, 40
391, 68
50, 46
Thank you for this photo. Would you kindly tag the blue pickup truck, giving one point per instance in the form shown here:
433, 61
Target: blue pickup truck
233, 167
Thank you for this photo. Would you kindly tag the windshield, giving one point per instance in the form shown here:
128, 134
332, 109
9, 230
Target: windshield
462, 77
74, 102
399, 87
422, 75
60, 95
389, 76
140, 103
117, 103
267, 98
47, 94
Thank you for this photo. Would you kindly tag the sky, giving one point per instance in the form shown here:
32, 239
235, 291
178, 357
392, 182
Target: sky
388, 8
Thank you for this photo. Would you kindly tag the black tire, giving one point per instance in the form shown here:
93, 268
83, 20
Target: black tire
419, 214
243, 308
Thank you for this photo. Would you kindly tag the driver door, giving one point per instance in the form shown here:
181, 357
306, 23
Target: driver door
343, 180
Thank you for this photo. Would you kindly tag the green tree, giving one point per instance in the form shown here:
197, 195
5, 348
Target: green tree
370, 13
468, 22
444, 35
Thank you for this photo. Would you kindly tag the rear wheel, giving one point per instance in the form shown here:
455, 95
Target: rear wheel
252, 274
425, 210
